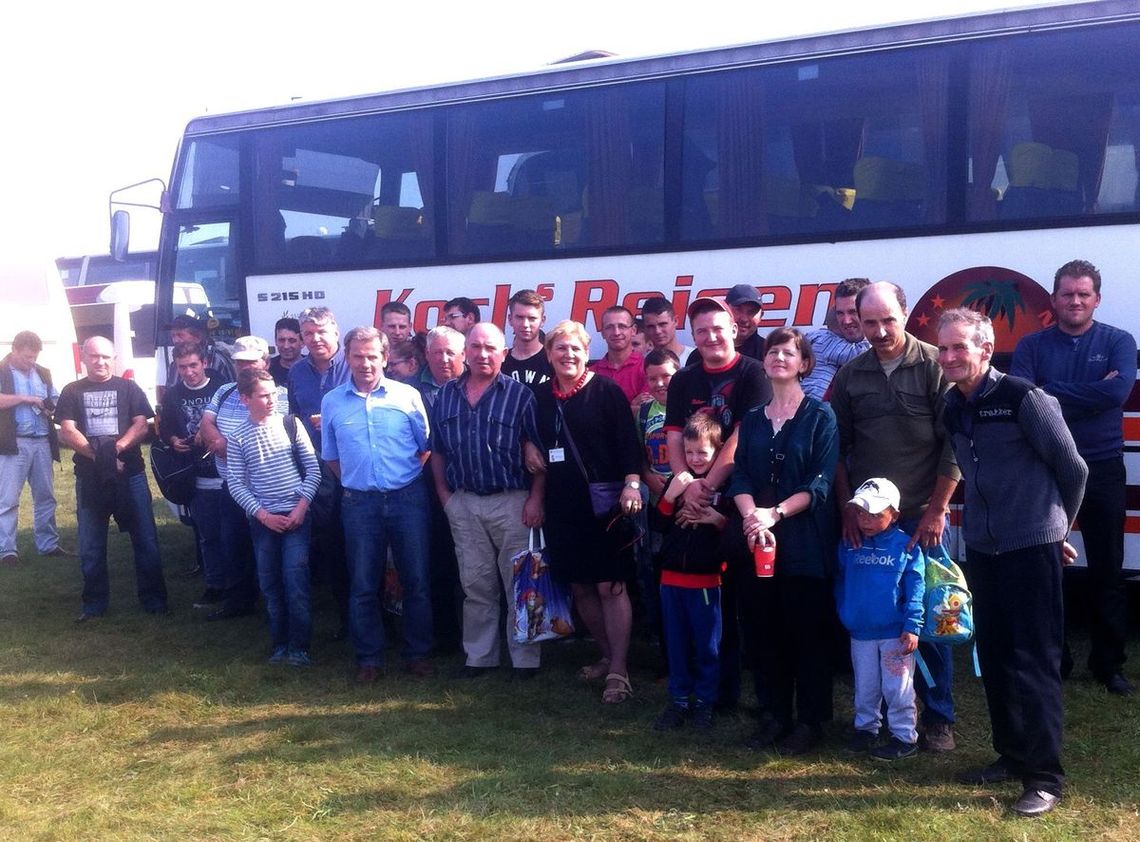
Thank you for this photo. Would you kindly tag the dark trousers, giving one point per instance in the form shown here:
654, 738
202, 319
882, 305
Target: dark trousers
238, 570
789, 621
327, 554
1019, 621
1101, 519
691, 619
446, 591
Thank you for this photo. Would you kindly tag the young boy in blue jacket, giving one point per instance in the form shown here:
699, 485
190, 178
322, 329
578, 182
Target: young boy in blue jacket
879, 592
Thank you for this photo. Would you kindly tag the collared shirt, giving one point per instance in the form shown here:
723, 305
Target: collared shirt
307, 387
428, 389
891, 425
630, 375
377, 437
831, 352
29, 420
483, 443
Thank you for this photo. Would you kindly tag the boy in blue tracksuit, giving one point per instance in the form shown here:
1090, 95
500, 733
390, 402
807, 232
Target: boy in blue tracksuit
879, 593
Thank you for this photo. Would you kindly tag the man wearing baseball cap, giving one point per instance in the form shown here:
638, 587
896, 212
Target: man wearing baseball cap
188, 328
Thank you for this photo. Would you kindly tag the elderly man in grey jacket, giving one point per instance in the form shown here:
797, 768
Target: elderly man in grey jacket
1024, 481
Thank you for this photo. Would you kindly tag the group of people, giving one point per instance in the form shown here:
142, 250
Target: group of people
835, 453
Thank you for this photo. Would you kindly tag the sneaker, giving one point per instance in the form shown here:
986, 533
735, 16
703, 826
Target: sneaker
280, 653
1118, 685
211, 596
894, 749
801, 740
862, 742
10, 560
299, 659
672, 718
938, 736
703, 717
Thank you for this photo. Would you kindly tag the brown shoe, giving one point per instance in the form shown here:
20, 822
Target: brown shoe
938, 736
420, 668
368, 674
10, 560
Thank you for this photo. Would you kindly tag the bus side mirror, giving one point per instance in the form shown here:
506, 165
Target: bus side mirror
120, 234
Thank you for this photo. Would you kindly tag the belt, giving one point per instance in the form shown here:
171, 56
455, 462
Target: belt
44, 436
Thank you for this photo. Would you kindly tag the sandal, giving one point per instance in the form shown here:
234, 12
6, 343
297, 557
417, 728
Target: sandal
621, 693
593, 672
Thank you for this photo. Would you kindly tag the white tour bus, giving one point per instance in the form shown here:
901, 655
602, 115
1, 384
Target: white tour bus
966, 159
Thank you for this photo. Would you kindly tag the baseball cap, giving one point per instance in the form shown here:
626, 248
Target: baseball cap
876, 495
250, 348
743, 294
704, 305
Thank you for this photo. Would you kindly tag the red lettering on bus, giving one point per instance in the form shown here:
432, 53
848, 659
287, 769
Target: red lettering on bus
420, 320
585, 302
806, 303
778, 299
383, 296
502, 298
545, 291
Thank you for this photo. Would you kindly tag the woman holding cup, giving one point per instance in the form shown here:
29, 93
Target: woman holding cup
785, 465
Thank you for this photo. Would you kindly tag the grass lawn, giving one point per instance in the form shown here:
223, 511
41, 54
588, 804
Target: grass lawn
142, 727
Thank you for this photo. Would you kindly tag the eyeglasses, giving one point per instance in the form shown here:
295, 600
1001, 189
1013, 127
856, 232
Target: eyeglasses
614, 327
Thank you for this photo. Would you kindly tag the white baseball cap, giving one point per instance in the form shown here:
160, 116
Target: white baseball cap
876, 495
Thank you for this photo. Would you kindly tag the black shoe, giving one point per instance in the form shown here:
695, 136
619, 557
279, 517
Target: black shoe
523, 673
465, 672
1034, 802
672, 718
862, 742
1118, 685
209, 597
801, 740
996, 773
767, 733
894, 749
703, 717
228, 614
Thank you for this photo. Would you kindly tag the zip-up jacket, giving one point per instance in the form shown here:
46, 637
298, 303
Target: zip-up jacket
880, 586
1023, 477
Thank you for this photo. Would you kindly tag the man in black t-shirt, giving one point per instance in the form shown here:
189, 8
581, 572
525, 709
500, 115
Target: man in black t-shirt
103, 418
526, 362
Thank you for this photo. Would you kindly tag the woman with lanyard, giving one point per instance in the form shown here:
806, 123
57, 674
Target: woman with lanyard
593, 494
785, 464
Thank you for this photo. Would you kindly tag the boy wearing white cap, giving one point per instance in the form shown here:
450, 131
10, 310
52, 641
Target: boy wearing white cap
879, 592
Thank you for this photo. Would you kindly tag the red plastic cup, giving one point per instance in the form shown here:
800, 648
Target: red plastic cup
765, 557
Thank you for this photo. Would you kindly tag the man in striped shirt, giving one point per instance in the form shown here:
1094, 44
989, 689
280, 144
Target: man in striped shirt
840, 340
479, 424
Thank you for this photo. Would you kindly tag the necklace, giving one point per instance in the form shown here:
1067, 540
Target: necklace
778, 415
573, 390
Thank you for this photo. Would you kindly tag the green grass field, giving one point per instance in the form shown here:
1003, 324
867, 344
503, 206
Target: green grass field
137, 727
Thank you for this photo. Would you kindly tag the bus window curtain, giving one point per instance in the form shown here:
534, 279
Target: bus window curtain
989, 100
740, 161
933, 87
462, 163
610, 147
1077, 123
826, 151
423, 158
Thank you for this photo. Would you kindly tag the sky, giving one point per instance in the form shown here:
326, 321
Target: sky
98, 94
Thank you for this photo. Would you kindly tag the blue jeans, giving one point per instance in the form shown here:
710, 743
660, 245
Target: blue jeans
691, 620
236, 557
937, 701
372, 520
93, 525
283, 572
205, 509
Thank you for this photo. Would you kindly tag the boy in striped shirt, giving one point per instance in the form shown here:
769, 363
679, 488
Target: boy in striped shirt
272, 474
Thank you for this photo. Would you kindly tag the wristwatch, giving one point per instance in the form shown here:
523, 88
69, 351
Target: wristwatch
634, 484
779, 510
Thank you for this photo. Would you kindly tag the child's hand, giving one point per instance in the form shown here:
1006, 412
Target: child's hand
909, 642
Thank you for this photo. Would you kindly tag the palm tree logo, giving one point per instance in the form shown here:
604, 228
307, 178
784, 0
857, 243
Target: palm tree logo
996, 299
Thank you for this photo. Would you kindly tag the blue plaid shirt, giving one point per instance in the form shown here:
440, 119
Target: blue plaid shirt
483, 443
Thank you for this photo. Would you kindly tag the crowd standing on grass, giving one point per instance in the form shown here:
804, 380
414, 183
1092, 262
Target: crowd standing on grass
748, 491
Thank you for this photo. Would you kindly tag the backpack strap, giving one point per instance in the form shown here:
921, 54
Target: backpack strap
290, 422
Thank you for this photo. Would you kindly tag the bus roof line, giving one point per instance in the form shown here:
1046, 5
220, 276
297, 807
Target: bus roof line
586, 74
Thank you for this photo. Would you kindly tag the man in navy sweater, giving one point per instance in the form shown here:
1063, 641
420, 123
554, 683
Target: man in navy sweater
1090, 367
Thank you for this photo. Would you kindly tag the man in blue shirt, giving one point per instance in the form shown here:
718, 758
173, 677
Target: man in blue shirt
479, 424
375, 441
28, 445
310, 379
1090, 368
